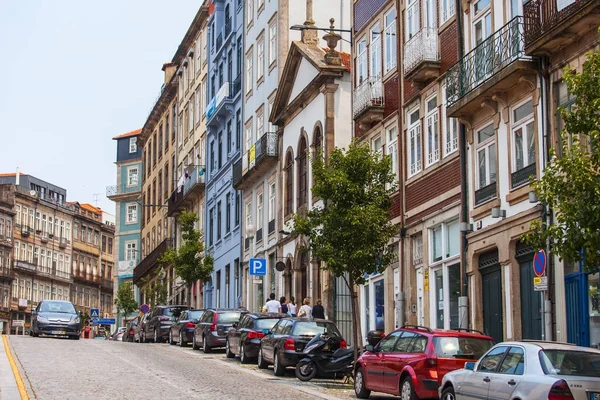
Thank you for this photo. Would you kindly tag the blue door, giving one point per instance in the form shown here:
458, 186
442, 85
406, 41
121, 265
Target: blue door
578, 329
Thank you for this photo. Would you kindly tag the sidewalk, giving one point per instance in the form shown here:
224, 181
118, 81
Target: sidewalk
9, 390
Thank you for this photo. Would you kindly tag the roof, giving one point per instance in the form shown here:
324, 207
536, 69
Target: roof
91, 208
551, 345
128, 134
10, 174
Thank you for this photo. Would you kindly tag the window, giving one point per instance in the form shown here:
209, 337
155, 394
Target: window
272, 201
229, 136
250, 12
238, 208
417, 249
132, 145
218, 220
392, 148
227, 213
260, 67
249, 141
110, 245
361, 61
259, 211
249, 71
389, 54
376, 145
523, 136
430, 20
433, 141
289, 176
412, 19
248, 214
132, 214
514, 362
260, 121
211, 216
272, 42
445, 241
302, 174
197, 108
220, 150
482, 29
486, 157
132, 176
414, 143
490, 362
447, 8
130, 250
450, 128
375, 64
261, 4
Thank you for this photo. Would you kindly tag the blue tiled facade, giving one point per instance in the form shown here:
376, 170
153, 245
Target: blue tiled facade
223, 146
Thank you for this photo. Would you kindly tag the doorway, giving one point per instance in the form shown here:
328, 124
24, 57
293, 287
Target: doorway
491, 287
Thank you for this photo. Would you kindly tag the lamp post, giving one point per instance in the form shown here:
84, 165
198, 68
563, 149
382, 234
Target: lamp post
252, 291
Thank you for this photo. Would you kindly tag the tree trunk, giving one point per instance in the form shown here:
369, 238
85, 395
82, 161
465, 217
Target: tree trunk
189, 295
356, 337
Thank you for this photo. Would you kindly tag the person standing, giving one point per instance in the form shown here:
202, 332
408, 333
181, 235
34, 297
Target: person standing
273, 305
318, 311
306, 309
292, 306
284, 307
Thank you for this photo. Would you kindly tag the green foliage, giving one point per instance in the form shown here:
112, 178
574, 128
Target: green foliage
189, 260
155, 288
571, 183
125, 299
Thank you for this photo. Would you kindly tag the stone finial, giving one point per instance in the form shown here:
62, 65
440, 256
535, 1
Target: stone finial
332, 57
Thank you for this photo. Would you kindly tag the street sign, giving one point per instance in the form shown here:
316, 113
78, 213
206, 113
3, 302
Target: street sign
18, 323
94, 313
540, 283
144, 308
94, 321
539, 263
106, 321
258, 266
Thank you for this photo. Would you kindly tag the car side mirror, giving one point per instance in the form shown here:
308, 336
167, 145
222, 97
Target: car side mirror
266, 331
370, 348
470, 366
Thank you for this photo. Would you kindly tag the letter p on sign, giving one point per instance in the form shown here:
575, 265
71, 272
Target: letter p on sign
258, 266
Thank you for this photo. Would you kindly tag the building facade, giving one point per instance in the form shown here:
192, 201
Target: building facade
126, 195
7, 205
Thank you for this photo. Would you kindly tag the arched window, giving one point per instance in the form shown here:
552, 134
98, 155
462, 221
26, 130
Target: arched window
302, 175
318, 145
289, 185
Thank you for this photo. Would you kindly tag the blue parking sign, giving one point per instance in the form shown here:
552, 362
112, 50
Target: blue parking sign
258, 266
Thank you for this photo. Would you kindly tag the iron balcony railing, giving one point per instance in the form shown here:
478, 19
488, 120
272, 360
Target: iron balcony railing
24, 266
237, 172
489, 57
266, 146
115, 190
6, 273
422, 47
541, 16
151, 260
191, 181
227, 91
521, 176
485, 193
368, 94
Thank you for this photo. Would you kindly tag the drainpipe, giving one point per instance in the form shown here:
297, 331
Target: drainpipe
463, 300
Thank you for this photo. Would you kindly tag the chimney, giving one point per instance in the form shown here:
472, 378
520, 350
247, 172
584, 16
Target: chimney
169, 70
309, 36
17, 177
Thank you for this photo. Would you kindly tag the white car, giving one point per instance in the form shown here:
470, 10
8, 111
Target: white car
527, 370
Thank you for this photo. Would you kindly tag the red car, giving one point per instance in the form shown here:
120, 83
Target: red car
412, 360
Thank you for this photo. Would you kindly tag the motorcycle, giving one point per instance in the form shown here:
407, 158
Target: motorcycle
320, 360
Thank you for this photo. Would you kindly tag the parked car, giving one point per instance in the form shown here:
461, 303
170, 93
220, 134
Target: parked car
528, 370
138, 332
244, 337
129, 329
159, 323
118, 334
283, 346
412, 360
182, 330
212, 329
55, 317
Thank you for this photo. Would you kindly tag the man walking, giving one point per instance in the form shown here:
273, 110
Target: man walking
318, 311
273, 305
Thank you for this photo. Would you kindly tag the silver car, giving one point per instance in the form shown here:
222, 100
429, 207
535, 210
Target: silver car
527, 370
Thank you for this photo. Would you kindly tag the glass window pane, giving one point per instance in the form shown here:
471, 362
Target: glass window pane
379, 305
452, 239
530, 144
491, 360
519, 148
454, 293
436, 238
523, 111
492, 156
482, 172
387, 343
486, 133
514, 362
439, 299
403, 344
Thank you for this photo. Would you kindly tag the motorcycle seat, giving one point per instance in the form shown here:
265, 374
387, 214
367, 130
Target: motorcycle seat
342, 352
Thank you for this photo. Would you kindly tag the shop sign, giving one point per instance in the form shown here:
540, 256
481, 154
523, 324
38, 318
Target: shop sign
4, 315
426, 280
22, 302
18, 323
540, 283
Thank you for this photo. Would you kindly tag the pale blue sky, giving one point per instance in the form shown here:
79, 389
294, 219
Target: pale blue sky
76, 73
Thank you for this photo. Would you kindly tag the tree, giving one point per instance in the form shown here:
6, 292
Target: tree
350, 234
125, 300
189, 260
570, 185
155, 286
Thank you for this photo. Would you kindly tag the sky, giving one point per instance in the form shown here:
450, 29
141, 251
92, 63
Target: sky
74, 75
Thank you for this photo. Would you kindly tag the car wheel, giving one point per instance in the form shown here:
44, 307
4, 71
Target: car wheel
407, 391
306, 370
448, 393
243, 356
228, 352
171, 341
262, 364
359, 385
156, 338
182, 343
278, 369
194, 345
205, 347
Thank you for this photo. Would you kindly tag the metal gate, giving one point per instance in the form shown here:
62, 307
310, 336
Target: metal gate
577, 309
342, 309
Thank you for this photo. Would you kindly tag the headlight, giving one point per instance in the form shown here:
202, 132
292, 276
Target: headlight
76, 320
41, 319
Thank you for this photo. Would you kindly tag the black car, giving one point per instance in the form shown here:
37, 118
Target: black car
212, 329
283, 346
243, 338
54, 317
158, 324
183, 329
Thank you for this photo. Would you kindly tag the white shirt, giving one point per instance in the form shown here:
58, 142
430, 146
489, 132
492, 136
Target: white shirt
292, 308
308, 310
273, 306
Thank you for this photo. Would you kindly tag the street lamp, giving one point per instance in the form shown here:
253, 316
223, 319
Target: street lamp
301, 28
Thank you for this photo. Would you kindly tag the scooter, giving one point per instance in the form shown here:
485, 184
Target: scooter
318, 360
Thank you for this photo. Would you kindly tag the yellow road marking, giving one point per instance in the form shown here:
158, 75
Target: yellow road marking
15, 369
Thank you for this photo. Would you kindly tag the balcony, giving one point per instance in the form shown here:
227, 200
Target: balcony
194, 184
115, 191
107, 284
6, 274
6, 241
222, 104
553, 24
256, 161
149, 263
368, 103
63, 242
494, 67
422, 58
25, 266
521, 176
485, 193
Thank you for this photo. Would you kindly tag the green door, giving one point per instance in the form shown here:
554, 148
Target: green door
493, 321
531, 304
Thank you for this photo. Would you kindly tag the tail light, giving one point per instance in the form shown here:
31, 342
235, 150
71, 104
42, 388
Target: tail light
255, 335
560, 391
213, 326
343, 344
190, 325
290, 344
131, 332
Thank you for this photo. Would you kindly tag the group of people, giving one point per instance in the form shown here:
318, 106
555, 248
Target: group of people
290, 308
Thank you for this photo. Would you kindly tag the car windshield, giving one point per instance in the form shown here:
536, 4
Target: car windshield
195, 314
228, 317
461, 347
57, 307
312, 328
570, 362
265, 323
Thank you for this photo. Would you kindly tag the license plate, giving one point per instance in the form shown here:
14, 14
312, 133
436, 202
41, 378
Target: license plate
595, 396
58, 332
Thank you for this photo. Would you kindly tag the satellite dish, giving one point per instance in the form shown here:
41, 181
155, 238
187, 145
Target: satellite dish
32, 192
280, 266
